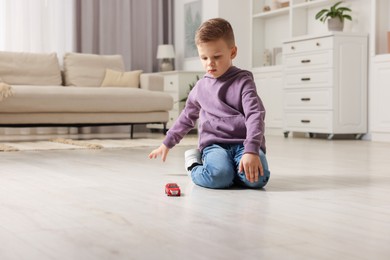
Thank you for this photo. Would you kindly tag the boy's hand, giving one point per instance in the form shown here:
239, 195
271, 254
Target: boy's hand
250, 163
162, 151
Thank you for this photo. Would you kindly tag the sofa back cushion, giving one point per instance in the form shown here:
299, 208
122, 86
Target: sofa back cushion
22, 68
88, 70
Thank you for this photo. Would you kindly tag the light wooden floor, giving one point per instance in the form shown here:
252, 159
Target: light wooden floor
325, 200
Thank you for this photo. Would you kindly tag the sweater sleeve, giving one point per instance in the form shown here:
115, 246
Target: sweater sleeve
185, 122
254, 112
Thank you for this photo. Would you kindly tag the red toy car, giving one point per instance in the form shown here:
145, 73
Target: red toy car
172, 189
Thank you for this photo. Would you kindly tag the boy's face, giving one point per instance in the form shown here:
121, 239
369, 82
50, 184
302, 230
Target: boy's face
216, 56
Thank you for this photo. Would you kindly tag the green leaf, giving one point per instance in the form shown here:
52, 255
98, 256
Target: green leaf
320, 13
333, 12
343, 9
336, 4
348, 17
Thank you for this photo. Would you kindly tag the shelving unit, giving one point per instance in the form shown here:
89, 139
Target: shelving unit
263, 25
380, 71
271, 28
295, 22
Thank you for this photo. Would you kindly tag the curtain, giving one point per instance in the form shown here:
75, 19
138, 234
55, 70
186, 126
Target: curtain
37, 26
132, 28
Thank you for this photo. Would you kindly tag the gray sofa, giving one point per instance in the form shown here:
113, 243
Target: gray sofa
89, 90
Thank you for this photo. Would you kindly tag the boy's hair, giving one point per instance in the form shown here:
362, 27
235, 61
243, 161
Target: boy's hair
213, 30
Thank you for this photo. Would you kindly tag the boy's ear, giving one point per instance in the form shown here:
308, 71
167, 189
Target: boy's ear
233, 52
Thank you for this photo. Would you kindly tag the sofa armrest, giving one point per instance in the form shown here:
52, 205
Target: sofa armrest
152, 81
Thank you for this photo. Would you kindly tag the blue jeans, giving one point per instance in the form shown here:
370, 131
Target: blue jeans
220, 168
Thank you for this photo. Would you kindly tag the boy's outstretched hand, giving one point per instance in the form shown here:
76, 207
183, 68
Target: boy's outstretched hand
250, 163
161, 151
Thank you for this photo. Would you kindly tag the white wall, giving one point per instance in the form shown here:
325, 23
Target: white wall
238, 14
235, 11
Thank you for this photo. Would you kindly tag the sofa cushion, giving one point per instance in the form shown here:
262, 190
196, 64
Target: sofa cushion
22, 68
84, 99
115, 78
83, 118
88, 70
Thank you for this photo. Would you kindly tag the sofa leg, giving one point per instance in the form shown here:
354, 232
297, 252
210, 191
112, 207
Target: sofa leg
131, 131
165, 128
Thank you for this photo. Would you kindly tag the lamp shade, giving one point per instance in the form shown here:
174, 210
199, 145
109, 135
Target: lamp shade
165, 51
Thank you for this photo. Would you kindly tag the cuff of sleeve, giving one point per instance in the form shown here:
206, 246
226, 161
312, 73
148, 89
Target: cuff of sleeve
252, 148
168, 143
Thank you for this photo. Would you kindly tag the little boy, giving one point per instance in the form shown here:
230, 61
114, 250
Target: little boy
231, 117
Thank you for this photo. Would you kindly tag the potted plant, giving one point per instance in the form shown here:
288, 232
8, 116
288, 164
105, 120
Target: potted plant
335, 16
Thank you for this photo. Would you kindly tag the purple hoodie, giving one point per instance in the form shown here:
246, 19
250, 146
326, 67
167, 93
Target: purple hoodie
229, 111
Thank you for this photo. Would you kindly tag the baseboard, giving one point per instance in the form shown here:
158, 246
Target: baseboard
380, 137
274, 131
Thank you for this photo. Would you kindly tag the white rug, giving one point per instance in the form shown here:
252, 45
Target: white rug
69, 144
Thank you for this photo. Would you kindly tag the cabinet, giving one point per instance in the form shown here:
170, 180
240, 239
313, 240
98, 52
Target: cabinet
177, 84
325, 88
268, 31
380, 71
269, 84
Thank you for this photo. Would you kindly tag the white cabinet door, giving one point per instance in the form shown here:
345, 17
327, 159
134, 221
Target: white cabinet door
270, 89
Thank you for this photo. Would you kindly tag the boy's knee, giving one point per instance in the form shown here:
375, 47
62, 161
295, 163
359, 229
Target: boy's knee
216, 178
263, 180
259, 184
215, 184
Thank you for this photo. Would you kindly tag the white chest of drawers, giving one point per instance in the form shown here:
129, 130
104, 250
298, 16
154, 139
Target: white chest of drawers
325, 85
177, 84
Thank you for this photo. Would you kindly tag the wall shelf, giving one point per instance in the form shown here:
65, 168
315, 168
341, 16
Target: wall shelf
382, 58
272, 13
311, 4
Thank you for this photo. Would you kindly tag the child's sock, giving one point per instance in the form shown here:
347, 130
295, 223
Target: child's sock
192, 158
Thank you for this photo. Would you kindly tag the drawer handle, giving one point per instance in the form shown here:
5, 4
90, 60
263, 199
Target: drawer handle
305, 121
305, 61
292, 48
305, 99
318, 44
305, 79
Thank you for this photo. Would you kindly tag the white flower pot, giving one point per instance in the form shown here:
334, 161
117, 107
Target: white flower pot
334, 24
